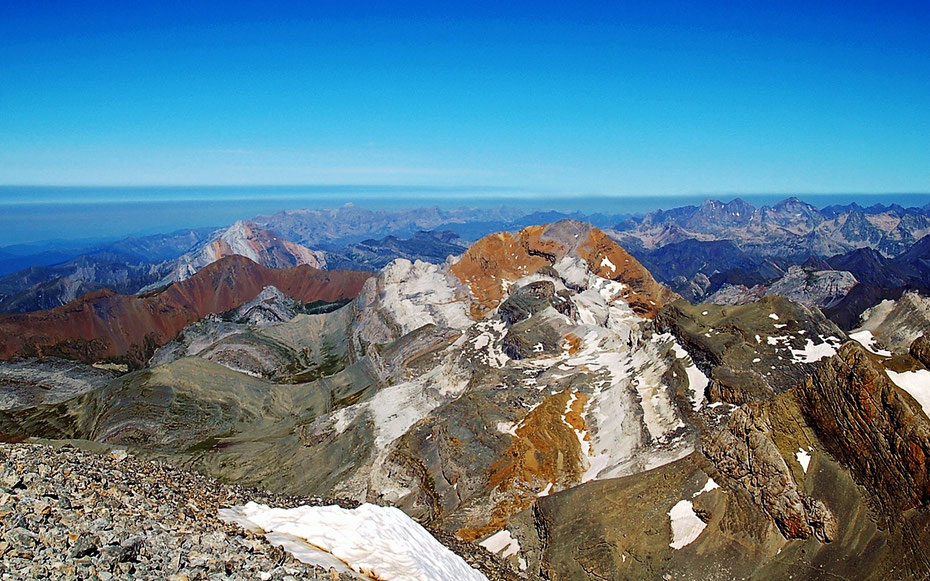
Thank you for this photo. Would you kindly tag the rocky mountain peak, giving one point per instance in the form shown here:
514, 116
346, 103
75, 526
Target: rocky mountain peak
246, 239
270, 307
262, 246
497, 261
736, 212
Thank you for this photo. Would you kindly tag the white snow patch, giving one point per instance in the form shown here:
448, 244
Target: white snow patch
804, 458
545, 491
482, 341
397, 407
615, 438
813, 353
488, 340
686, 526
916, 383
502, 541
606, 262
708, 486
378, 541
697, 381
507, 428
865, 338
773, 316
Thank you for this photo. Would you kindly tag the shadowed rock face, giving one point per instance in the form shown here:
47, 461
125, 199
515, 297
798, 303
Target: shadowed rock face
502, 258
872, 426
105, 325
920, 350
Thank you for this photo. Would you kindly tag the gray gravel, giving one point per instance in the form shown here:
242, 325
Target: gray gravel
71, 514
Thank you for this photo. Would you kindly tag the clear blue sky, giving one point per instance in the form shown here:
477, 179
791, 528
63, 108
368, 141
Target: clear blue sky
592, 98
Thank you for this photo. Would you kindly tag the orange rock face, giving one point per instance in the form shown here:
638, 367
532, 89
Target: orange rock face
493, 262
545, 449
105, 325
609, 260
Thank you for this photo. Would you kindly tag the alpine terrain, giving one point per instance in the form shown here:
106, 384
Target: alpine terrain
534, 405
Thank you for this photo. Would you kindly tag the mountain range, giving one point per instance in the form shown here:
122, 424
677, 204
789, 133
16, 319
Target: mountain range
539, 393
348, 237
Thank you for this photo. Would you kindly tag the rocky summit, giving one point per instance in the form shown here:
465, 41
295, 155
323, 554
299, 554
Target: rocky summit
72, 514
540, 403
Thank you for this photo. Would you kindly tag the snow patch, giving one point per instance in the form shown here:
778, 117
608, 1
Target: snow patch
606, 262
697, 381
502, 541
686, 526
708, 486
813, 353
804, 458
865, 338
507, 428
419, 293
488, 341
916, 383
377, 541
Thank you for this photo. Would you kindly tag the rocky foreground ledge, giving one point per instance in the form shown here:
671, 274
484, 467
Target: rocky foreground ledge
66, 513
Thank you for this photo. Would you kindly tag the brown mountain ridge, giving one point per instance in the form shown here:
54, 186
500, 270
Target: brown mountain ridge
104, 325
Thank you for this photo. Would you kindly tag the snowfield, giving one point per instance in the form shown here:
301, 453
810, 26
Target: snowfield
375, 541
686, 526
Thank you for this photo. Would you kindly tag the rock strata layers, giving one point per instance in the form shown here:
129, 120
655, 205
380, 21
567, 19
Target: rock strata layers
872, 426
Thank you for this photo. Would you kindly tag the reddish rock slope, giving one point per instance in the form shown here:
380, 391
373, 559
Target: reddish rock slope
105, 325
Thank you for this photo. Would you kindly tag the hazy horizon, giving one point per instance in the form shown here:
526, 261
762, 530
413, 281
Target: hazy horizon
110, 108
31, 214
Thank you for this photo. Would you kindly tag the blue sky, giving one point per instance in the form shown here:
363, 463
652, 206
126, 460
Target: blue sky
596, 98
